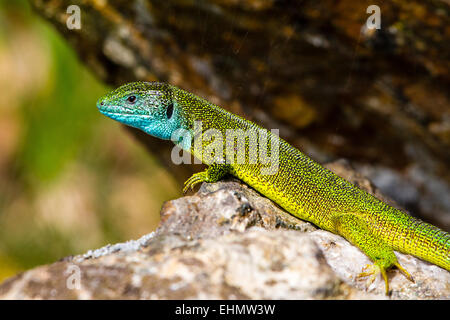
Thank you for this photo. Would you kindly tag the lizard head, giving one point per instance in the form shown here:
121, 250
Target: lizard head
148, 106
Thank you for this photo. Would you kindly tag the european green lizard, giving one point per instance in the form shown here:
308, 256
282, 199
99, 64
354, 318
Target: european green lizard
300, 185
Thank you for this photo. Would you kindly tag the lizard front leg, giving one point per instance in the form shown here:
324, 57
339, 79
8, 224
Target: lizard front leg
355, 229
213, 173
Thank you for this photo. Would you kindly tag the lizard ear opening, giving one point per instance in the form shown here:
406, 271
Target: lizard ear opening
169, 111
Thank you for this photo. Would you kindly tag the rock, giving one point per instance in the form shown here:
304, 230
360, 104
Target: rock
222, 207
258, 264
227, 242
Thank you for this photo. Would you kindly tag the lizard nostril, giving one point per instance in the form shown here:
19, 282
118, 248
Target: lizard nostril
102, 103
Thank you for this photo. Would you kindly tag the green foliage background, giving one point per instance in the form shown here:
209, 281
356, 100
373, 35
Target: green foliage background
67, 174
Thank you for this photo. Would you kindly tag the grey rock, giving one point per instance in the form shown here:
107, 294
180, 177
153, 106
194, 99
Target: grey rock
228, 242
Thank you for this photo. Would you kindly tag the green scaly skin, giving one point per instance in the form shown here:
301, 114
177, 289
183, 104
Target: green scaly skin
301, 186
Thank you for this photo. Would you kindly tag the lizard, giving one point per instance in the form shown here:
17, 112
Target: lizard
300, 185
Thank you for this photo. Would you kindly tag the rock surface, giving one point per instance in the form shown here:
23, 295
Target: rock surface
227, 242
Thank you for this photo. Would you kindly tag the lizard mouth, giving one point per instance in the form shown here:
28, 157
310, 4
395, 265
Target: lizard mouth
128, 118
123, 113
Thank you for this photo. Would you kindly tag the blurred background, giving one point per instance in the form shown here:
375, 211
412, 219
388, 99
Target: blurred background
70, 179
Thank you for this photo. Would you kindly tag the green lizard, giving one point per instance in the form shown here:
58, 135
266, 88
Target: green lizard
300, 185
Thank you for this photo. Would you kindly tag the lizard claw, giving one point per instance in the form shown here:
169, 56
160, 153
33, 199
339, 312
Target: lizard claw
373, 271
194, 179
370, 270
405, 273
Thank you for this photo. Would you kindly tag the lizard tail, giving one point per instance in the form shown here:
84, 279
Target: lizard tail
425, 241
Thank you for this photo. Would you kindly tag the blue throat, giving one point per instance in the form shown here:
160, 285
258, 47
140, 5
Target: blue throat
157, 126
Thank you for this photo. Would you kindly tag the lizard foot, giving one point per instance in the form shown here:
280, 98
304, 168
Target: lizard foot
357, 231
213, 174
195, 179
375, 269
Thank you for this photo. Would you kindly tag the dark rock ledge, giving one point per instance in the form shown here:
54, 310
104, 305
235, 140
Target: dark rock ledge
228, 242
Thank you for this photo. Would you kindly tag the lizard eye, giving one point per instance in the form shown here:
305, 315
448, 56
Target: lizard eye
131, 99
